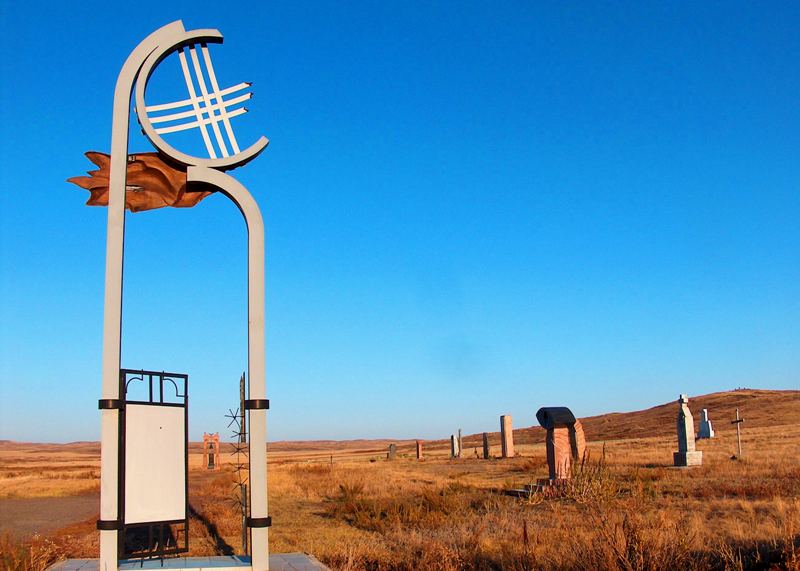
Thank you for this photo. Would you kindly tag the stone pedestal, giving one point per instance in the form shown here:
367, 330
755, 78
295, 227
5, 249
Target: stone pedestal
559, 454
694, 458
566, 446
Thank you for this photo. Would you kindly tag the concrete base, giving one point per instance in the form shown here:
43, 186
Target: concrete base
687, 458
277, 562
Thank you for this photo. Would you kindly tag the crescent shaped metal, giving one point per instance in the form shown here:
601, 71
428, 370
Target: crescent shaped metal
165, 48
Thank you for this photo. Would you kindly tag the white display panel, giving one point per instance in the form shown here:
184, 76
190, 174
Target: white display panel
155, 469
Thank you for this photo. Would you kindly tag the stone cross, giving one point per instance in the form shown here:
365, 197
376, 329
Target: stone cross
419, 449
738, 422
485, 445
706, 430
454, 451
506, 436
686, 454
566, 444
392, 452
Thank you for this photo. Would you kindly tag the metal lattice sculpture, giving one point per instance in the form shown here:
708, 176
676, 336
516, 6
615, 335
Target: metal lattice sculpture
207, 109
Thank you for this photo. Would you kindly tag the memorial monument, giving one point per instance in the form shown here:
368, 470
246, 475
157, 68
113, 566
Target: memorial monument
706, 429
686, 454
211, 451
455, 451
565, 441
144, 439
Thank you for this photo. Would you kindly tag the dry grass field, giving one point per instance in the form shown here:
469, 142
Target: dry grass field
626, 509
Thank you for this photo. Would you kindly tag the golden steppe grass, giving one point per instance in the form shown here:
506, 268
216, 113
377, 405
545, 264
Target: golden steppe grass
627, 508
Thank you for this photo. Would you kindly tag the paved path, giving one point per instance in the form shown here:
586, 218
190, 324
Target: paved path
277, 562
23, 516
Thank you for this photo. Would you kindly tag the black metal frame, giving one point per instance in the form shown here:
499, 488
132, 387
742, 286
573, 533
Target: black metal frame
158, 543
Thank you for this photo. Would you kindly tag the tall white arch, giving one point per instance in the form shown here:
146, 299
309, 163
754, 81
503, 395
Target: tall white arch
135, 71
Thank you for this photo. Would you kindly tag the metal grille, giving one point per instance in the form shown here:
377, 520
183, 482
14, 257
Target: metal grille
155, 538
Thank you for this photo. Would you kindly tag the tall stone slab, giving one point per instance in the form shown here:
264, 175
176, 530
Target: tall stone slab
419, 450
686, 455
454, 450
706, 429
486, 447
392, 454
506, 436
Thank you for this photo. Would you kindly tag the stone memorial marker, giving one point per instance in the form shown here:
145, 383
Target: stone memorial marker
686, 454
506, 436
211, 451
486, 448
706, 430
144, 511
419, 450
454, 451
565, 441
392, 454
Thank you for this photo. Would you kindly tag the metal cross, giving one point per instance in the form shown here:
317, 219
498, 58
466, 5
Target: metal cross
738, 422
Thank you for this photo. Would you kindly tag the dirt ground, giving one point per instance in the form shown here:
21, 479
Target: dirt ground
629, 509
20, 517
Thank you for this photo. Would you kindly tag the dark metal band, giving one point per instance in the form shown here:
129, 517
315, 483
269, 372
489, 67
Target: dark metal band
106, 404
109, 524
256, 404
259, 521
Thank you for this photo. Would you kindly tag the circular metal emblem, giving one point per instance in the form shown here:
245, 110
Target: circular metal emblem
208, 108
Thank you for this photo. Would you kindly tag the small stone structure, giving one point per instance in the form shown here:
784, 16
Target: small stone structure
566, 444
211, 451
486, 448
454, 450
686, 454
392, 454
419, 450
506, 436
706, 430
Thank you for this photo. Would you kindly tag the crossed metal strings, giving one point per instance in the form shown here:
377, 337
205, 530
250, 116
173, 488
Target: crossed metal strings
207, 108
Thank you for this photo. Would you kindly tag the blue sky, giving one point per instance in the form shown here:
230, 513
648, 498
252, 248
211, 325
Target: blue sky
471, 210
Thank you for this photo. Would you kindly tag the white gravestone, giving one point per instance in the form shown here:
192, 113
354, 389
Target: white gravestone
706, 430
455, 451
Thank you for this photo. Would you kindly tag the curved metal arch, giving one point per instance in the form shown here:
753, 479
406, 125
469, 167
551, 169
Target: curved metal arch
241, 197
167, 47
136, 71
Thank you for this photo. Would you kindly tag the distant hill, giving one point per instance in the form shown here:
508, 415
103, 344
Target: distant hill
758, 407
